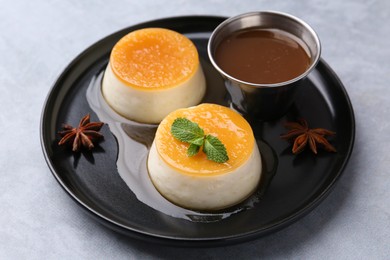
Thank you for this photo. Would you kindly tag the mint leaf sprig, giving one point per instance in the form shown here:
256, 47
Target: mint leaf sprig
189, 132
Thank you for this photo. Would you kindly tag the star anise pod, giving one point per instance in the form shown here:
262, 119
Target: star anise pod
82, 136
301, 134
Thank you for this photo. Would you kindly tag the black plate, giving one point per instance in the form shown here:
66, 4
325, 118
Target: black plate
299, 184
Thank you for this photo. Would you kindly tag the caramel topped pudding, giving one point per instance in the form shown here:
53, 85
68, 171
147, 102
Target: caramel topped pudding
151, 73
199, 183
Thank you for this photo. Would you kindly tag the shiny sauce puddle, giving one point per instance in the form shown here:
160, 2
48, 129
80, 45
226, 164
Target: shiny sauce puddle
134, 140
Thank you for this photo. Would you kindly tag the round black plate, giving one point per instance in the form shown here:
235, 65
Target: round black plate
299, 184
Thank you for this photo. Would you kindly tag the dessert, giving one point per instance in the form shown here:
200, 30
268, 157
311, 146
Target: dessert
196, 182
151, 73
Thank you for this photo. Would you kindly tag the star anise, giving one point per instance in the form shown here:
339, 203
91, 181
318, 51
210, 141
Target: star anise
82, 136
301, 134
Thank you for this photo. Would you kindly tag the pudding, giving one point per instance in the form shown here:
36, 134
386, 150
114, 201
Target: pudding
151, 73
196, 182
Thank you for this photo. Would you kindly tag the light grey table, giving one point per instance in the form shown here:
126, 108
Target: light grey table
38, 220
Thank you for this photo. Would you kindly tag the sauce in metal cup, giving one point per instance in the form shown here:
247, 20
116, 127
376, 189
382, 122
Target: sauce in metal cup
263, 57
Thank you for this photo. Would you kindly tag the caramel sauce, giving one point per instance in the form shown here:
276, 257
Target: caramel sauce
262, 56
154, 58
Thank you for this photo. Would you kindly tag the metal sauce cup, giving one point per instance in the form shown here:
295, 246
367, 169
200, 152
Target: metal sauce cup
265, 101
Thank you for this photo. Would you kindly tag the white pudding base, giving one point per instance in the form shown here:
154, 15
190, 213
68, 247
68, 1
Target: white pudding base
151, 105
205, 192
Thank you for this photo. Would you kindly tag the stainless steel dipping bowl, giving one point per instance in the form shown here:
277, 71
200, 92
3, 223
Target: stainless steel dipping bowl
265, 101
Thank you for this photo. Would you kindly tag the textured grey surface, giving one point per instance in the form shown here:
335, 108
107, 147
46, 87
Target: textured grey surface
38, 219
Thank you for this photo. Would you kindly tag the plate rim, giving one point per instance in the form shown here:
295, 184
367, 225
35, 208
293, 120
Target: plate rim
169, 240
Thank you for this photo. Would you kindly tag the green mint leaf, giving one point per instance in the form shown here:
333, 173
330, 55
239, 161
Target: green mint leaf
193, 149
189, 132
186, 131
215, 150
199, 141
